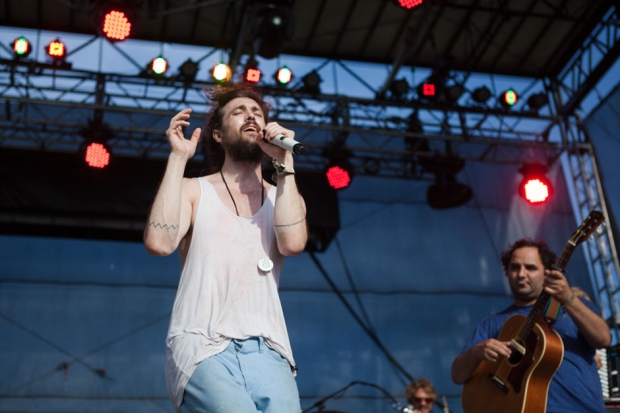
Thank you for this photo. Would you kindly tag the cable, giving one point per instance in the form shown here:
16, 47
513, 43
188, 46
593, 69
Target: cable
370, 333
319, 404
353, 287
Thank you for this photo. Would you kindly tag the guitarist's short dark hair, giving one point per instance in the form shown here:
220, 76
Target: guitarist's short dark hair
547, 256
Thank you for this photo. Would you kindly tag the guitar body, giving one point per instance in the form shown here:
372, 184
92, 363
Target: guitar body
519, 384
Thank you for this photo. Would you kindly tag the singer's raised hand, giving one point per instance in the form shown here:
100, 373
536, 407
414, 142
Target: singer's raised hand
180, 146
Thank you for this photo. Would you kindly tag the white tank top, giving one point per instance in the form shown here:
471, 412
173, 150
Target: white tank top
222, 293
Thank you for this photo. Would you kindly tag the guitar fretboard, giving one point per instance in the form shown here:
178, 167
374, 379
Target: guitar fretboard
543, 298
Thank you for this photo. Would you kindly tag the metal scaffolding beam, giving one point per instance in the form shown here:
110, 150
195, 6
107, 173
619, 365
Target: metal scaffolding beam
47, 108
594, 58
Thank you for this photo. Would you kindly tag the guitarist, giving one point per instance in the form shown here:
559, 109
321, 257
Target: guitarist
575, 387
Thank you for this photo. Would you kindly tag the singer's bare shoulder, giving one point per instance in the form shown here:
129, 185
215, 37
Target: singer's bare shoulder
191, 190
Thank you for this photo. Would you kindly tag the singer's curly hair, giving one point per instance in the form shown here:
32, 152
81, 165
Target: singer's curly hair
547, 256
424, 384
221, 96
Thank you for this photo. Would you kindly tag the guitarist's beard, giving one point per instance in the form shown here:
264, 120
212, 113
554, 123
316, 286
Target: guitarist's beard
525, 295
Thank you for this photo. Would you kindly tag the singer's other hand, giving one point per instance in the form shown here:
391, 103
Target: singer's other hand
272, 129
185, 148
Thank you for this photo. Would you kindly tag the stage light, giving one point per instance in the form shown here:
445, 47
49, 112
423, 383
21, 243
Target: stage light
509, 98
188, 71
56, 50
115, 24
537, 101
97, 155
340, 171
428, 90
252, 73
21, 47
95, 149
408, 4
446, 192
283, 76
311, 83
274, 28
221, 73
399, 88
338, 177
453, 92
159, 66
481, 94
535, 187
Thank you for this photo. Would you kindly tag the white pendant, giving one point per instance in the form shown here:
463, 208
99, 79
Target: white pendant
265, 264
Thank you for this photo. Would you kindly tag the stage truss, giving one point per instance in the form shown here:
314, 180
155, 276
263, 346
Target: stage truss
47, 107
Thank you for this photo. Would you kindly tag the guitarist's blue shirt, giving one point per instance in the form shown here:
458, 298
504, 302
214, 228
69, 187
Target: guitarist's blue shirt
576, 386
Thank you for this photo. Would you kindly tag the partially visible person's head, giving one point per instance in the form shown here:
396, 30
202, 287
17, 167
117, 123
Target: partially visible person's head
421, 395
547, 257
220, 97
580, 293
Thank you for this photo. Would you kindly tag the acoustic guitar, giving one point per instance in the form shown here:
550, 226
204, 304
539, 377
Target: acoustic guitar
520, 383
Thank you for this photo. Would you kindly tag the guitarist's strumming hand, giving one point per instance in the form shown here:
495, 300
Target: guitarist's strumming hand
466, 363
491, 349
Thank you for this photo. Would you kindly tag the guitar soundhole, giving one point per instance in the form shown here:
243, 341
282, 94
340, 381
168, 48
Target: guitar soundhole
515, 358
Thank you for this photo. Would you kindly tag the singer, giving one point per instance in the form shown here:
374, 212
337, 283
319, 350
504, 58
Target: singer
227, 348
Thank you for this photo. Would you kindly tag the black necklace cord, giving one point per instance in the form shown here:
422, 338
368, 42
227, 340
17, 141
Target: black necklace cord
262, 193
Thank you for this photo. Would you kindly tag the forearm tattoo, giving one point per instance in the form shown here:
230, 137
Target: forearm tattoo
162, 226
290, 225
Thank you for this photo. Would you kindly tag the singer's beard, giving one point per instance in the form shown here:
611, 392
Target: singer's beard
243, 150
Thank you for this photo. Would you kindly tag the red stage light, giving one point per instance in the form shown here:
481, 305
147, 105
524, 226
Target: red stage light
535, 187
116, 25
536, 191
56, 50
428, 89
337, 177
97, 155
409, 4
252, 75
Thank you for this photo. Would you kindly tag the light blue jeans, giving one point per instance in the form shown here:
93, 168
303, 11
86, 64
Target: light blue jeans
247, 377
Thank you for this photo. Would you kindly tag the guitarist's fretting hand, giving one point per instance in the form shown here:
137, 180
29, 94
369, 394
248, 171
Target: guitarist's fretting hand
556, 286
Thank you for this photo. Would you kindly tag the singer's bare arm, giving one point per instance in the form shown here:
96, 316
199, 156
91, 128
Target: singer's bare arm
171, 213
290, 209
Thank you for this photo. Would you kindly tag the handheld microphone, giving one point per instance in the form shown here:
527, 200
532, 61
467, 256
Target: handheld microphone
289, 144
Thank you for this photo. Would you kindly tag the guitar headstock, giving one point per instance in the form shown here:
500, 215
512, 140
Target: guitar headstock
587, 227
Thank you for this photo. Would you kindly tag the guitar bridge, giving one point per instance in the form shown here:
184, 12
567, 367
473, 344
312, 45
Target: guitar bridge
498, 382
